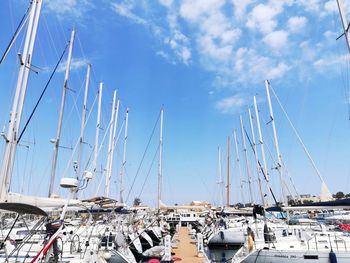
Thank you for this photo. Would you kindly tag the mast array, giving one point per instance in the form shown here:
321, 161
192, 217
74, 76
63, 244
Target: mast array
228, 185
160, 167
256, 156
83, 122
275, 139
110, 145
239, 167
98, 127
56, 141
17, 106
122, 171
246, 161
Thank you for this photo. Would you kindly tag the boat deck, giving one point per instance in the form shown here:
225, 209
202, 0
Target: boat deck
187, 249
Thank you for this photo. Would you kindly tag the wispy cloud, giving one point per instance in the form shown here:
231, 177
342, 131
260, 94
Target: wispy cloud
240, 43
230, 105
76, 64
125, 9
276, 39
249, 63
297, 23
325, 63
263, 18
65, 8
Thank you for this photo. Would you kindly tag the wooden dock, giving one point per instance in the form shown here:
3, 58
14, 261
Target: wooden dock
186, 249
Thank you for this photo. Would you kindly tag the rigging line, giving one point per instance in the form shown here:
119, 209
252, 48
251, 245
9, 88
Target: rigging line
25, 171
92, 150
15, 35
299, 138
81, 48
75, 106
143, 157
282, 165
84, 62
42, 94
260, 166
77, 143
101, 144
292, 182
50, 35
31, 166
343, 68
149, 171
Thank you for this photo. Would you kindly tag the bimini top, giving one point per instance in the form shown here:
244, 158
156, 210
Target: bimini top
21, 208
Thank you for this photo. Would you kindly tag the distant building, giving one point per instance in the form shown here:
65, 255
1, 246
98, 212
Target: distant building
304, 198
200, 203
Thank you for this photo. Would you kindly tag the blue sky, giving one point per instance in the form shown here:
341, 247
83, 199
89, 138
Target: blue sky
202, 60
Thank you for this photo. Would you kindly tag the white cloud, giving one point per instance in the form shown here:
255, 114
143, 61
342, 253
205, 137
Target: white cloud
327, 62
185, 54
76, 64
277, 71
308, 51
330, 36
125, 9
215, 33
214, 51
297, 23
276, 39
231, 104
240, 7
252, 67
194, 10
64, 8
166, 3
310, 5
177, 41
262, 18
162, 54
330, 7
209, 32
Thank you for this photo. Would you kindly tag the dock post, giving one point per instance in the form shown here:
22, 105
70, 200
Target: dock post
167, 251
200, 248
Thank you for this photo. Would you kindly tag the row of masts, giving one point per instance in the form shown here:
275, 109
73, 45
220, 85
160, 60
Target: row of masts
266, 194
16, 113
17, 106
260, 168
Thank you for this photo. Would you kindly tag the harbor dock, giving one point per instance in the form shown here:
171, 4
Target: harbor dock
187, 249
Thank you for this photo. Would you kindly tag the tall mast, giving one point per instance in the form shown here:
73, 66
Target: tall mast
262, 148
220, 182
56, 141
239, 166
228, 173
344, 22
18, 101
83, 118
110, 142
98, 125
279, 157
121, 185
246, 161
256, 156
160, 167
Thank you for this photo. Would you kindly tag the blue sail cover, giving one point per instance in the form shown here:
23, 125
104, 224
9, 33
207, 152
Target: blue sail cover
338, 202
